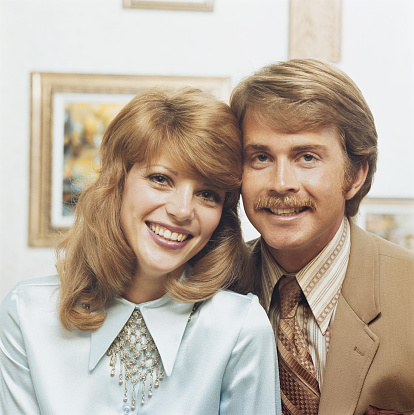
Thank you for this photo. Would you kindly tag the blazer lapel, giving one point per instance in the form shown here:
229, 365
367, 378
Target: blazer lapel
353, 345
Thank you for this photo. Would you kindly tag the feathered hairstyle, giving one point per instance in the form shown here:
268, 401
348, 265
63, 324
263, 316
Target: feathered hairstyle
95, 262
306, 94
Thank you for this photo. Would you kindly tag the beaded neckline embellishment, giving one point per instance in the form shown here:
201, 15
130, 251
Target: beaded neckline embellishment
139, 359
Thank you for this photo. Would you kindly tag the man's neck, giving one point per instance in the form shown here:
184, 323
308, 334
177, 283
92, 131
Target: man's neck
294, 259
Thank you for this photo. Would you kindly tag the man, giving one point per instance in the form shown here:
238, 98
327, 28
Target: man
339, 298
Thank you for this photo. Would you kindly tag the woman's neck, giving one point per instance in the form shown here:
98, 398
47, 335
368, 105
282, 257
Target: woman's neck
146, 287
142, 291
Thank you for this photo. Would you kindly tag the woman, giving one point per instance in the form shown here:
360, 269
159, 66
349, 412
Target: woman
138, 320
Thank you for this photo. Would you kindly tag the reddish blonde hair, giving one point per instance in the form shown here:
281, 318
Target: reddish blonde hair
95, 262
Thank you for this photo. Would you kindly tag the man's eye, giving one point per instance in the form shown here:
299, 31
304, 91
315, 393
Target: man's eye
308, 157
262, 157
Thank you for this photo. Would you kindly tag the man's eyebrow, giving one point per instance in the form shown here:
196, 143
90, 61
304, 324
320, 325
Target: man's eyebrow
305, 147
260, 147
302, 147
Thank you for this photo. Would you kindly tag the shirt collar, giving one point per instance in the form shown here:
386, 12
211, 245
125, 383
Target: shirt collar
165, 319
320, 280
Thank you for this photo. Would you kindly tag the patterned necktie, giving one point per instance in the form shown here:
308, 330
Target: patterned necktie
298, 382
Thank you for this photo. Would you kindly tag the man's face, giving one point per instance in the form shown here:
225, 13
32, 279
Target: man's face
293, 189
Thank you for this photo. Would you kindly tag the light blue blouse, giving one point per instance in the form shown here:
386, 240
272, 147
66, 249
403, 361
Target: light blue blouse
222, 361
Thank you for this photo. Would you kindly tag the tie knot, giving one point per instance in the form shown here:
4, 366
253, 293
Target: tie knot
290, 296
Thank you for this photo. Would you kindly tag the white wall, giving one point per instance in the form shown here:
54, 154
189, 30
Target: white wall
240, 36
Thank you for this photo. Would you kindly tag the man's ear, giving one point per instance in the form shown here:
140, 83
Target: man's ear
359, 180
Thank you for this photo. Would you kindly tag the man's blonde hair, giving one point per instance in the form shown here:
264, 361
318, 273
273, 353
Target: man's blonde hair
308, 94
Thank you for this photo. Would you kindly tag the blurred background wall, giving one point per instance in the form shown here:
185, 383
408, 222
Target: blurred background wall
237, 38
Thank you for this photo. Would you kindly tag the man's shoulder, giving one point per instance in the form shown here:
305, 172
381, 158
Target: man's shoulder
380, 246
390, 265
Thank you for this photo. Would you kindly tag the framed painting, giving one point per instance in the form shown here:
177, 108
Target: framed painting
392, 219
191, 5
69, 114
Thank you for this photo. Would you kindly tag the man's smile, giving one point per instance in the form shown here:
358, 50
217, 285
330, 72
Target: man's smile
287, 211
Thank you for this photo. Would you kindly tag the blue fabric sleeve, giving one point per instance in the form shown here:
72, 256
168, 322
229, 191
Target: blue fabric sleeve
17, 394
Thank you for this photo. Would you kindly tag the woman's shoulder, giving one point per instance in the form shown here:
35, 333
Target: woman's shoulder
236, 300
30, 291
228, 307
50, 281
231, 298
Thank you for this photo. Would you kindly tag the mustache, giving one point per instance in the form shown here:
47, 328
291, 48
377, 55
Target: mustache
288, 201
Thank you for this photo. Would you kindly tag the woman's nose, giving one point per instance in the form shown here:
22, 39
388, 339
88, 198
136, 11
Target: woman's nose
180, 204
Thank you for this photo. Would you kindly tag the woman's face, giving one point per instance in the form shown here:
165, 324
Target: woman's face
167, 215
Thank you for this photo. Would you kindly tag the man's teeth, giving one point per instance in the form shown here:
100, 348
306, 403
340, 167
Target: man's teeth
285, 212
167, 234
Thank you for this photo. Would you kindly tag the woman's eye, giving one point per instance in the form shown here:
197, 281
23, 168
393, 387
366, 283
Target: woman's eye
158, 179
210, 196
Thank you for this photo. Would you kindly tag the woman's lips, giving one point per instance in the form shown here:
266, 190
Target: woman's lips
168, 234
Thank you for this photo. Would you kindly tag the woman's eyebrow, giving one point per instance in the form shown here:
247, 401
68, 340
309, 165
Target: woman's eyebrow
158, 165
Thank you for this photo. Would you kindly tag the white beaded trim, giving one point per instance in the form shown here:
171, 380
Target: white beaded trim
138, 358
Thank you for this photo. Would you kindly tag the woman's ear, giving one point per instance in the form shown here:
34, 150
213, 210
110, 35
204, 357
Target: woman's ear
358, 181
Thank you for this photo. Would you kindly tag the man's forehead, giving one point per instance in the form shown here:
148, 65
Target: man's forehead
281, 123
259, 138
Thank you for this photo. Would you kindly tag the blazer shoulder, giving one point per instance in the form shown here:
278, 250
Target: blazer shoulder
372, 255
390, 249
384, 247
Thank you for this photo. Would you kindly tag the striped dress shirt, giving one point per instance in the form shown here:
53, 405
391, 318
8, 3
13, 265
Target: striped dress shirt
321, 282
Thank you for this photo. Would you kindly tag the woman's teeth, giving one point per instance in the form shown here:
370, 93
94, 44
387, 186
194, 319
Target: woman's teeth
167, 234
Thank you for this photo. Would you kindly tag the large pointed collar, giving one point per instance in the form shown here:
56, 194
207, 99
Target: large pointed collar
165, 318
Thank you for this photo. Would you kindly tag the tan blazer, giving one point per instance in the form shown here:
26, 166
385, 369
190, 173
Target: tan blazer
371, 353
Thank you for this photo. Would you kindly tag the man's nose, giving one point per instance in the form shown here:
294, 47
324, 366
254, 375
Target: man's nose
283, 178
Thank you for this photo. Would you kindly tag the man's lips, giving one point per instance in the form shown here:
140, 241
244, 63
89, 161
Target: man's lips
287, 211
168, 234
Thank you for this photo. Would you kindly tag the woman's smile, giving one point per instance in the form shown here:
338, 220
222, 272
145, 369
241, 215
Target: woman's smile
168, 216
169, 233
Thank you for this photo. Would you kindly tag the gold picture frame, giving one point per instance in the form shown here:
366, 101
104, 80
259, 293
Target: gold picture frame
391, 219
69, 113
189, 5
